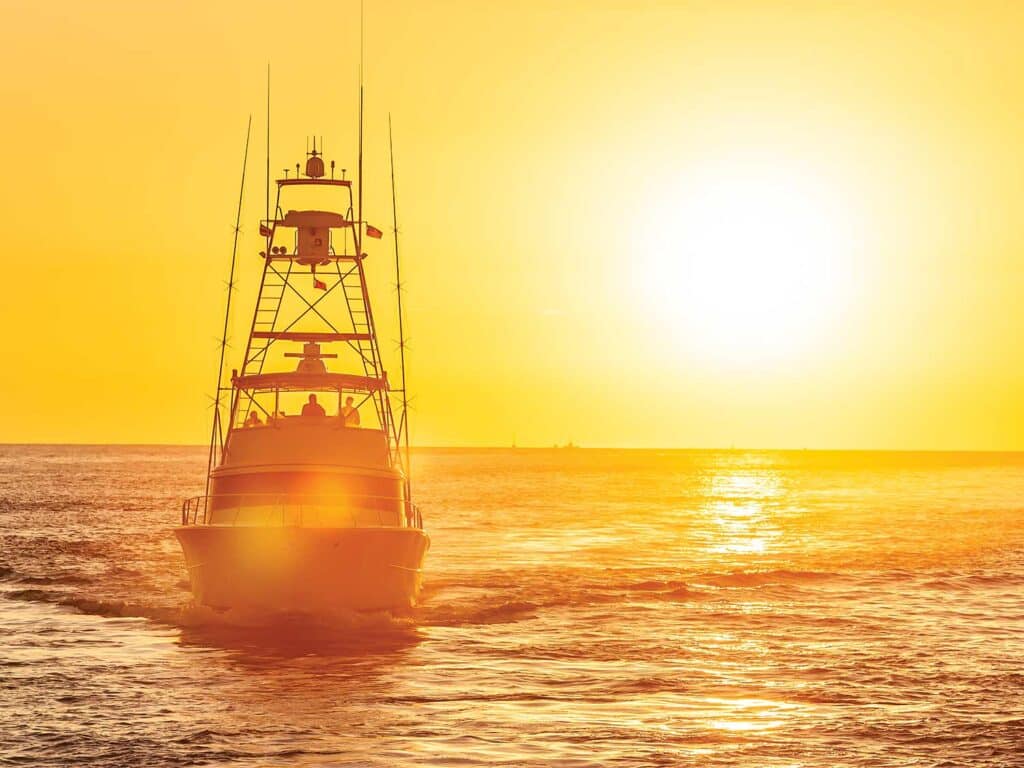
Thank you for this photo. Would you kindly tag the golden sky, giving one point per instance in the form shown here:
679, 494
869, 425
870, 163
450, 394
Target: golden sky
764, 224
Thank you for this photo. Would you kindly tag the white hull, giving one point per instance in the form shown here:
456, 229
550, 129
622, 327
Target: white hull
304, 569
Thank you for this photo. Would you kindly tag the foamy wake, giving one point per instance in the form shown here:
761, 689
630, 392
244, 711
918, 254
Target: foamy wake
191, 616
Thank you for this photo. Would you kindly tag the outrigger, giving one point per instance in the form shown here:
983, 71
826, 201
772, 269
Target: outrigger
308, 505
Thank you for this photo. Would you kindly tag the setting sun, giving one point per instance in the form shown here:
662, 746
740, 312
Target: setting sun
749, 263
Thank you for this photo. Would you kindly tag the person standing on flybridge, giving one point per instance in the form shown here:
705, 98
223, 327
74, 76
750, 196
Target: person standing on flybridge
313, 409
350, 413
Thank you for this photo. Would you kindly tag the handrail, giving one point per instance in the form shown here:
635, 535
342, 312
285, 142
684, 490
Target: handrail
196, 510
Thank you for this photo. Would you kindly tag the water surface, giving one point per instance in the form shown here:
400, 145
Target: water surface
581, 608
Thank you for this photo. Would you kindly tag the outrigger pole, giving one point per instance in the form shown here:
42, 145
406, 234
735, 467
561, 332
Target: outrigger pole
216, 429
403, 423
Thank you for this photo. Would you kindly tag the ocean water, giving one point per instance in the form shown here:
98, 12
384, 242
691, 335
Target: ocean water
581, 607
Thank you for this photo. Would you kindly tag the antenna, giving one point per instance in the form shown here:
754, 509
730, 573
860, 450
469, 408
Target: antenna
403, 423
359, 180
267, 190
216, 429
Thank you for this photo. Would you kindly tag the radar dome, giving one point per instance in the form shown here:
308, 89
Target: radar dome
314, 167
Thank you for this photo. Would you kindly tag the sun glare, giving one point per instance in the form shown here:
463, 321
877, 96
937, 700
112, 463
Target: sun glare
748, 264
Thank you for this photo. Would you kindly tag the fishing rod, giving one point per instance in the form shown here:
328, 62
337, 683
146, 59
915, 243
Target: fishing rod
216, 429
403, 424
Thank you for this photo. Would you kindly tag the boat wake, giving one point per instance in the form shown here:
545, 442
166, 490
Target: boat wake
486, 600
93, 606
65, 591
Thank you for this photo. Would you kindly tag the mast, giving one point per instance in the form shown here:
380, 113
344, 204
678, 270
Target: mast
403, 422
215, 431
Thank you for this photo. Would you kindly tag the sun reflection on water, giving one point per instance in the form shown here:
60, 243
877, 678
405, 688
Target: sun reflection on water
740, 511
751, 714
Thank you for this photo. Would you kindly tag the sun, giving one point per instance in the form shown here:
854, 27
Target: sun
748, 264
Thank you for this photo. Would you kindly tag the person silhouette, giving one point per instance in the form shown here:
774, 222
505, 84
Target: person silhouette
350, 414
253, 420
313, 409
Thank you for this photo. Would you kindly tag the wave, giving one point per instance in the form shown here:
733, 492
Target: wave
467, 613
671, 589
197, 618
499, 614
33, 595
96, 606
64, 578
684, 593
46, 548
457, 616
654, 586
954, 582
9, 574
763, 578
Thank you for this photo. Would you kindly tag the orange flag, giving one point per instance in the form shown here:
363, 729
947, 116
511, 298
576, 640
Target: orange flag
318, 284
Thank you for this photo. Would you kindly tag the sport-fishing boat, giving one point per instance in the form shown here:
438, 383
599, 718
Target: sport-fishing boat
308, 506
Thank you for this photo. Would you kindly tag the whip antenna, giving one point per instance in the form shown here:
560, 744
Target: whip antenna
359, 181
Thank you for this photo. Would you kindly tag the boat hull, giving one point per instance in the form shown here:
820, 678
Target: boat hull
303, 569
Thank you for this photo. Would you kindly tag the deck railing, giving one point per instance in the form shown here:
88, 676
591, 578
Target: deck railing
291, 510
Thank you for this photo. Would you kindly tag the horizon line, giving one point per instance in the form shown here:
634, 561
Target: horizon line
563, 447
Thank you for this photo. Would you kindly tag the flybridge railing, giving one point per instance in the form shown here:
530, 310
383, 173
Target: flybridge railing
297, 510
